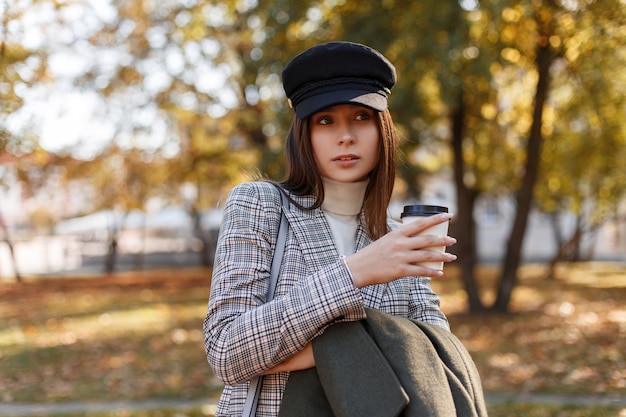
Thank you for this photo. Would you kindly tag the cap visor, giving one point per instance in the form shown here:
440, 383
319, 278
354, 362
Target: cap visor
313, 104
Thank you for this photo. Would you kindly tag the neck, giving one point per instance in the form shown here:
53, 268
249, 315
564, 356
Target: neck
343, 198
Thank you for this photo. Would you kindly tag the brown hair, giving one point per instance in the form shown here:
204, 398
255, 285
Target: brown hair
303, 177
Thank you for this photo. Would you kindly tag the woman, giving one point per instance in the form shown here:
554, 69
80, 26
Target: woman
340, 255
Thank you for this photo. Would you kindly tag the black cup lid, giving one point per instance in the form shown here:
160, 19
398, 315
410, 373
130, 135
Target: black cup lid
422, 210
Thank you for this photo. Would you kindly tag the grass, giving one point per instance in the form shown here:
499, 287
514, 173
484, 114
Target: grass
137, 336
132, 336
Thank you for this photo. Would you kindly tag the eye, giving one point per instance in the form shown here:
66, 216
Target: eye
324, 120
363, 116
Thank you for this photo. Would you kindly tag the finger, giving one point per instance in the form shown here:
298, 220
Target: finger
423, 223
418, 242
426, 268
422, 271
430, 255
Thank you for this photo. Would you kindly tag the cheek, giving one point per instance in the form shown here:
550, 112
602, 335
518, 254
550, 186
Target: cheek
372, 139
375, 151
315, 148
321, 141
318, 149
376, 157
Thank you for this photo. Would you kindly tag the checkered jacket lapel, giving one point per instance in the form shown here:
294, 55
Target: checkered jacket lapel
314, 236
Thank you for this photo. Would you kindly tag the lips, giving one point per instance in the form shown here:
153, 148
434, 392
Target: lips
345, 158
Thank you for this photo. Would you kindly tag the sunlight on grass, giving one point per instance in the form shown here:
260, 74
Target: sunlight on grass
594, 275
67, 330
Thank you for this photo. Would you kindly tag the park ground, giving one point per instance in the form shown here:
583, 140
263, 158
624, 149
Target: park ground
130, 344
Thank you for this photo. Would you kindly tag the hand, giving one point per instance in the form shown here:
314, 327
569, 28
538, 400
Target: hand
301, 360
398, 253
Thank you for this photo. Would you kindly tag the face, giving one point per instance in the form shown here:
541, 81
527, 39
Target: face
345, 139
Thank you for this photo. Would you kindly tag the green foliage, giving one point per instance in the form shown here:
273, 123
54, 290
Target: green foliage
585, 123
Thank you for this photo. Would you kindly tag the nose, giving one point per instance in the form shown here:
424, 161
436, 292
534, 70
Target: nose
346, 136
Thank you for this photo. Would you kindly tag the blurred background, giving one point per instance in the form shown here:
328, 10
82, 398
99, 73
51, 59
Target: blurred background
123, 124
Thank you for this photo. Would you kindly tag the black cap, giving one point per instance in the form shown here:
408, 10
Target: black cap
338, 73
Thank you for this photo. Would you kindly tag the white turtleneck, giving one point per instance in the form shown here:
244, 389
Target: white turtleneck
342, 206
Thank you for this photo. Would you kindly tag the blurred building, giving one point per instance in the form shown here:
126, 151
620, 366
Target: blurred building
167, 237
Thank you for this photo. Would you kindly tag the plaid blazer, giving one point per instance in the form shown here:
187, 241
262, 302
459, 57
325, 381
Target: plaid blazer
244, 335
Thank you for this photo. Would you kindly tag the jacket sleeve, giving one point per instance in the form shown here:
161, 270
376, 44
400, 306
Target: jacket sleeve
245, 335
424, 303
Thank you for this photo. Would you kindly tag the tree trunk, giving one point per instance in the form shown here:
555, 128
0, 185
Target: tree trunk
561, 243
524, 198
464, 227
111, 256
205, 258
110, 260
7, 239
557, 229
566, 249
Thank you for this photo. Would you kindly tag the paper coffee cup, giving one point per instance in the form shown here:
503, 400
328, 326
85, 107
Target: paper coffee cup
413, 212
